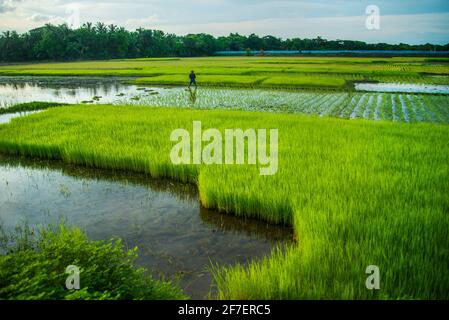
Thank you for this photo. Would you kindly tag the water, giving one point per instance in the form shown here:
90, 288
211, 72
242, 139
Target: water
324, 103
15, 90
6, 118
175, 236
402, 87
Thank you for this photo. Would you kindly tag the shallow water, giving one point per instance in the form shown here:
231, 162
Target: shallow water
175, 236
402, 87
15, 90
6, 118
349, 105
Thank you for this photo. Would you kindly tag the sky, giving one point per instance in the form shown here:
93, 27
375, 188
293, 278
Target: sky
391, 21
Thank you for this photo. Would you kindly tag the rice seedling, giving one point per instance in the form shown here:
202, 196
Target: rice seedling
295, 72
304, 82
404, 109
419, 117
358, 108
384, 110
440, 107
429, 114
437, 112
367, 114
221, 80
394, 109
334, 107
356, 192
344, 105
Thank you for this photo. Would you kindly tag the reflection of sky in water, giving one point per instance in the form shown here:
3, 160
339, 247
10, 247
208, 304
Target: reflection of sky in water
174, 235
68, 90
15, 90
402, 87
11, 94
6, 118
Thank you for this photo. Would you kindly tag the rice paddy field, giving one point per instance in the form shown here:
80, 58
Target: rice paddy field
356, 192
397, 107
363, 177
272, 72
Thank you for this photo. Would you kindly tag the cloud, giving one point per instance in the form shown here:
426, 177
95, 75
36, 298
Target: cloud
37, 17
417, 28
8, 5
401, 21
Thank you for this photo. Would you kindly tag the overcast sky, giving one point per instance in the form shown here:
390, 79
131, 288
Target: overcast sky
409, 21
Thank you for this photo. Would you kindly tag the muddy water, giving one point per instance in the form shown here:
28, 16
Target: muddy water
176, 238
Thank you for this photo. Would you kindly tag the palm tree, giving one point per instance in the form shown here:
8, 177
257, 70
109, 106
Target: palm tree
7, 34
100, 27
112, 28
88, 26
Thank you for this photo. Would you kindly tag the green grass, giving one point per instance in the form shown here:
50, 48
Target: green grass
34, 264
30, 106
240, 70
305, 81
357, 193
208, 80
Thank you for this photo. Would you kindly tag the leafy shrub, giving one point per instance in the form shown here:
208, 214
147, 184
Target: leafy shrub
34, 263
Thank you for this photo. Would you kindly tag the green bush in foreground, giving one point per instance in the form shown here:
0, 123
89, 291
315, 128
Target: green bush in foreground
31, 106
34, 268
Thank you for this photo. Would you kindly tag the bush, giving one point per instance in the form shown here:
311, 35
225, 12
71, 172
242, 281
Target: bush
33, 268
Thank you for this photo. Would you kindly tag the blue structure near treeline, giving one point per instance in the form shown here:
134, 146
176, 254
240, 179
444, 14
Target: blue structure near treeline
333, 52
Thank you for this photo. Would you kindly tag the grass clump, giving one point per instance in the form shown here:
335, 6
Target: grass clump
30, 106
34, 263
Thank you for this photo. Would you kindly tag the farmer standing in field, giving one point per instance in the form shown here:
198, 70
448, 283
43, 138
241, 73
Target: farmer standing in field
192, 77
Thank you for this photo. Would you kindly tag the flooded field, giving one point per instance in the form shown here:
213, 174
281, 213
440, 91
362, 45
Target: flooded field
402, 87
396, 102
6, 118
14, 90
175, 236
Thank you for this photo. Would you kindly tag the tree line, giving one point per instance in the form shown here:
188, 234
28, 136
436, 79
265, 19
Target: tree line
101, 41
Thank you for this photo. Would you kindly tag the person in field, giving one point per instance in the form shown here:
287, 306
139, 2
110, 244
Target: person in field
192, 77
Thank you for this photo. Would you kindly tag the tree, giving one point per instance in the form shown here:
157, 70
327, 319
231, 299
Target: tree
101, 41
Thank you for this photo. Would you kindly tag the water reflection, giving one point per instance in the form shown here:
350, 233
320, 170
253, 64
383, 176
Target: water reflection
175, 236
403, 87
6, 118
14, 90
192, 97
